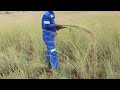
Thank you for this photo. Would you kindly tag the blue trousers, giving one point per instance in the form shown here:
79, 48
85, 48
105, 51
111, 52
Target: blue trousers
51, 54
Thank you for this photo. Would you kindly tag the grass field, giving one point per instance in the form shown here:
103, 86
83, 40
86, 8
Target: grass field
81, 56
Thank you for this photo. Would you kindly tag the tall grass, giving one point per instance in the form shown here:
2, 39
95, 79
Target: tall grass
22, 51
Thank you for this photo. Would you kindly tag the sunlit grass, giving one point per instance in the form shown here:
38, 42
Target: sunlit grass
22, 51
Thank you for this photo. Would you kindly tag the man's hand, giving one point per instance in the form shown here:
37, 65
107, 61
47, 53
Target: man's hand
58, 27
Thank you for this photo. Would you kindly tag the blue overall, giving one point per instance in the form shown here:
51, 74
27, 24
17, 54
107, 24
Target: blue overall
48, 20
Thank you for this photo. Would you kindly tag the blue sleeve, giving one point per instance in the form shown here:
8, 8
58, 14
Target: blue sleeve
47, 26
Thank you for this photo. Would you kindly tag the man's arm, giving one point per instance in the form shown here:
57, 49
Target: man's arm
47, 23
50, 26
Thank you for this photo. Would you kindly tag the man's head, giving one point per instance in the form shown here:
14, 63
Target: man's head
51, 11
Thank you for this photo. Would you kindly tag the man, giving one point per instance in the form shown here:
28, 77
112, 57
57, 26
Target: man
49, 32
